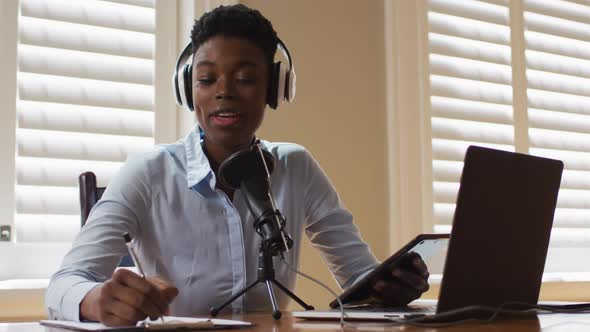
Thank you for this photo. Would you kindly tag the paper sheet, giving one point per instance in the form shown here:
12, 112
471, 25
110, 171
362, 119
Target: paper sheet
172, 323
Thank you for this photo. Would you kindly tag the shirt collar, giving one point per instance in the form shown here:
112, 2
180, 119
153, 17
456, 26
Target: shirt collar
199, 170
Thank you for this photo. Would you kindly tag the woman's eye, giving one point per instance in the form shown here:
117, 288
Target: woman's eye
205, 81
245, 80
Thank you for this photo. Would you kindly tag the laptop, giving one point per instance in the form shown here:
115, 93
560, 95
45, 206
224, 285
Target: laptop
499, 239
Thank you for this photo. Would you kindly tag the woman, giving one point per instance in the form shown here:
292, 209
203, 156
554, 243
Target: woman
194, 235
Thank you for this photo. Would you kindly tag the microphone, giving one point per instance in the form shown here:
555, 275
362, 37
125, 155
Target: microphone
249, 170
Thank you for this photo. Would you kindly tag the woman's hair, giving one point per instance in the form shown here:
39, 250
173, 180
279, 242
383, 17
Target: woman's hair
236, 21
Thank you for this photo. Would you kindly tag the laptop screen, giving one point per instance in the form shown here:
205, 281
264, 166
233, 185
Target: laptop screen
501, 229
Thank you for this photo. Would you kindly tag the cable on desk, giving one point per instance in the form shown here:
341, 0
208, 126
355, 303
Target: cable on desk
342, 313
518, 309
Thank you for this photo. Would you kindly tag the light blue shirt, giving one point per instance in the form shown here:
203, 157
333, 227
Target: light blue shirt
190, 233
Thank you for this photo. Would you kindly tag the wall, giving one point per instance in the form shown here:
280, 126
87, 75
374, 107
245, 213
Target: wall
339, 112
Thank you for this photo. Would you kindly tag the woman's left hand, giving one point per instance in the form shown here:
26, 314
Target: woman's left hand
404, 282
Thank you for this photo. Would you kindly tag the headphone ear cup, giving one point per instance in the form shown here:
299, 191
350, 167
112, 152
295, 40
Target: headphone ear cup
176, 88
273, 87
282, 84
187, 76
290, 88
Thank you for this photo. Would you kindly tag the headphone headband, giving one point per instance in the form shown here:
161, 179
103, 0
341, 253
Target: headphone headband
281, 86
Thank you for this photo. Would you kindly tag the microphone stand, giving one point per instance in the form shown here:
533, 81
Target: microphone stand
270, 245
266, 275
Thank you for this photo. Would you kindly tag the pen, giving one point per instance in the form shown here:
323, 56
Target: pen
127, 238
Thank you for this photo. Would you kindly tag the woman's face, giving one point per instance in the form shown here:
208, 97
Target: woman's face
229, 91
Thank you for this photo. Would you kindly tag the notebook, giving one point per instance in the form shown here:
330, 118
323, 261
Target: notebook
500, 235
172, 323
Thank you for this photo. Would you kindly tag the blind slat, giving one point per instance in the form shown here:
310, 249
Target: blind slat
573, 199
67, 90
559, 140
470, 110
85, 119
443, 149
559, 102
557, 64
443, 214
470, 90
60, 62
467, 28
573, 179
553, 82
545, 43
469, 69
447, 171
62, 172
573, 160
41, 32
141, 3
558, 8
104, 14
35, 228
472, 10
472, 131
445, 192
47, 200
468, 49
570, 238
557, 27
559, 121
572, 218
55, 144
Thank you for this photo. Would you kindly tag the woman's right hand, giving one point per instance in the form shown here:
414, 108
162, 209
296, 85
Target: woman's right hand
127, 298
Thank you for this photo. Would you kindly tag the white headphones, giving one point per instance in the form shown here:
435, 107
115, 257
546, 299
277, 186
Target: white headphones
281, 85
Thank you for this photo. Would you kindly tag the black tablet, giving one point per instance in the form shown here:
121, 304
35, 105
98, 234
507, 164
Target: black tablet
426, 245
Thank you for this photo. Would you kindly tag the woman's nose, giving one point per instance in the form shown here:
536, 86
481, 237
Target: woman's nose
225, 89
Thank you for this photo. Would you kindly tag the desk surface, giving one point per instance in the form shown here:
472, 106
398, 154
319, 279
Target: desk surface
264, 322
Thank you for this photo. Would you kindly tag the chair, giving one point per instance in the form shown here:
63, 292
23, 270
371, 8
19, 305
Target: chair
90, 194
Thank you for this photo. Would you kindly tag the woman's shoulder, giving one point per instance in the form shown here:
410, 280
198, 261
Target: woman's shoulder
157, 157
286, 150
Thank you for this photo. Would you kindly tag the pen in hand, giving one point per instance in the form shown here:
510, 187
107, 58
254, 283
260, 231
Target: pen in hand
127, 238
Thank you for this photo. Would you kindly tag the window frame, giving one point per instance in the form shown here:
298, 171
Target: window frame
409, 129
9, 11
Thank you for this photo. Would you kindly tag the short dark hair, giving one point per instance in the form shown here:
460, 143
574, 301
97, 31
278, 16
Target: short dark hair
236, 21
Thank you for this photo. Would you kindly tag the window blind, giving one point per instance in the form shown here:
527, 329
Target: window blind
85, 102
557, 36
473, 86
471, 93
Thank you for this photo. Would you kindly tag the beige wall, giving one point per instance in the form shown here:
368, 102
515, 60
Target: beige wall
339, 112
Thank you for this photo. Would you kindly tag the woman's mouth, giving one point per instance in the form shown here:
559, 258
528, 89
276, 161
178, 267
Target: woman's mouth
225, 118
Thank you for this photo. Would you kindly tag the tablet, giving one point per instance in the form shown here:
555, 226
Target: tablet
426, 245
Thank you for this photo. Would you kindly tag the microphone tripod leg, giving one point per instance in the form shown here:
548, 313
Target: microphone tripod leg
276, 313
215, 310
292, 295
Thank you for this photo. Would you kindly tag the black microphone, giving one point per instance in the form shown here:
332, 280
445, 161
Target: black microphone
249, 170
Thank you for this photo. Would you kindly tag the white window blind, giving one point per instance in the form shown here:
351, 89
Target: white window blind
557, 36
85, 102
474, 82
471, 93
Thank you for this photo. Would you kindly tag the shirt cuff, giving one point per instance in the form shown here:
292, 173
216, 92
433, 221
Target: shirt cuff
73, 298
359, 278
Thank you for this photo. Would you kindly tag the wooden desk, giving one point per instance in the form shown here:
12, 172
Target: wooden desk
264, 322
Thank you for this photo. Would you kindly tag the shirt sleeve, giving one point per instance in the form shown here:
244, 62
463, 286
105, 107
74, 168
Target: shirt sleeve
99, 246
331, 230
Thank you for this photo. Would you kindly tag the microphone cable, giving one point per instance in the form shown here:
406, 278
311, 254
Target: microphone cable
342, 312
